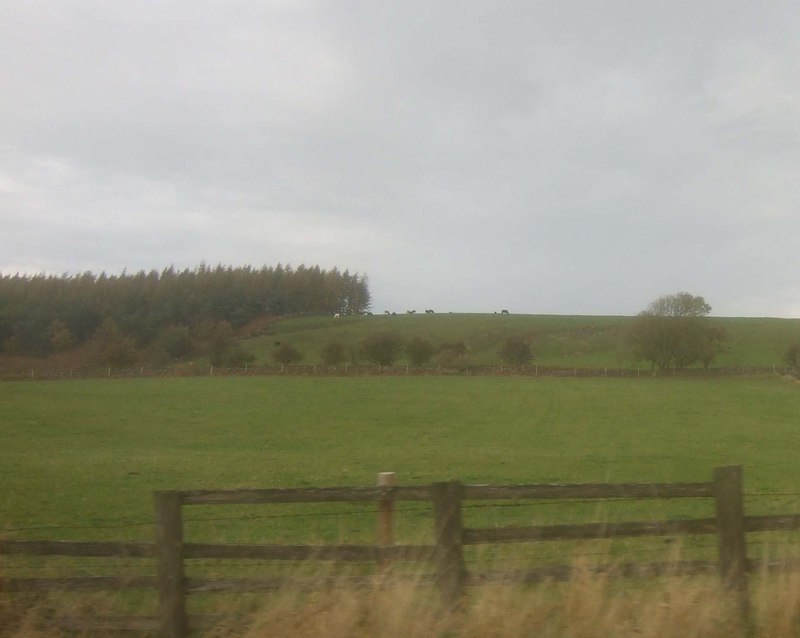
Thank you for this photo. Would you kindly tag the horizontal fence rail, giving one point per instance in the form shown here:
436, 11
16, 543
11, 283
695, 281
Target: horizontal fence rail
78, 548
445, 555
339, 553
358, 370
73, 583
589, 531
589, 491
304, 495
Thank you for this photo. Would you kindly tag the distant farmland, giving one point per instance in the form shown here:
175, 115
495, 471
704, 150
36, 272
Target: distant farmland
582, 341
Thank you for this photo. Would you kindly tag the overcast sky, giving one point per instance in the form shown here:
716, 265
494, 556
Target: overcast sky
545, 157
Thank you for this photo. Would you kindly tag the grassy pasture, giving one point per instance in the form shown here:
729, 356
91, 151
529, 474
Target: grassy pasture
583, 341
80, 459
89, 453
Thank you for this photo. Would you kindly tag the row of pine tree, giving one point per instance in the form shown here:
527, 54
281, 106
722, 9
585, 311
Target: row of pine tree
43, 314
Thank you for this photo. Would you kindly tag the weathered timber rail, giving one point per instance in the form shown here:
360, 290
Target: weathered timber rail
446, 554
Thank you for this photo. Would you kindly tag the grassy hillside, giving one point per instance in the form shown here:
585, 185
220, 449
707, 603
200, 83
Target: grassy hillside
583, 341
558, 341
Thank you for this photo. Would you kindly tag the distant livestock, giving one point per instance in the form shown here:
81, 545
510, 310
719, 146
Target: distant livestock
336, 316
411, 312
504, 312
429, 312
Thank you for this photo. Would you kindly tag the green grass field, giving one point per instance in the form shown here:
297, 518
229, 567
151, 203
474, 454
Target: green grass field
81, 459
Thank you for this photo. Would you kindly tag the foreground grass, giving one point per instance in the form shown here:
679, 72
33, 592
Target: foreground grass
79, 460
583, 608
587, 606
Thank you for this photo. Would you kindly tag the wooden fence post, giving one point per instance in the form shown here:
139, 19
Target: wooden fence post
385, 535
169, 547
451, 574
730, 527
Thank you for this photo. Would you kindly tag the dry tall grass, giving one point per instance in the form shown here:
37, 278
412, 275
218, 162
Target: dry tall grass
587, 606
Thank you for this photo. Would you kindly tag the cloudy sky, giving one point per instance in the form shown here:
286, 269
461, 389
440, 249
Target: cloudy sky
545, 157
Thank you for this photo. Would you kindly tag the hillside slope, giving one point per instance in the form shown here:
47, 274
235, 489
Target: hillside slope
583, 341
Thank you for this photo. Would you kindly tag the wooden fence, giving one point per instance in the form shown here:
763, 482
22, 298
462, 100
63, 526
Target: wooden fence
359, 370
446, 554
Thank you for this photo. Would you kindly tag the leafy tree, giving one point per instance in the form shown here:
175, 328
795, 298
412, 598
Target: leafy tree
60, 336
334, 353
382, 348
516, 351
681, 304
11, 345
286, 353
214, 338
651, 338
714, 340
419, 351
176, 342
114, 349
674, 332
792, 355
452, 353
237, 356
456, 347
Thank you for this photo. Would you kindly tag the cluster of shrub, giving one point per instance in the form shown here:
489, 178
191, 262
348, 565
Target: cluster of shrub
385, 348
674, 332
148, 315
792, 356
216, 340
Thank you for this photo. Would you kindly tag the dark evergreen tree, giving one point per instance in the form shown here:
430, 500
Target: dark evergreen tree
42, 313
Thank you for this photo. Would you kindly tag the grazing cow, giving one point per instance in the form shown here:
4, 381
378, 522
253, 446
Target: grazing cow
429, 312
336, 316
386, 312
504, 312
411, 312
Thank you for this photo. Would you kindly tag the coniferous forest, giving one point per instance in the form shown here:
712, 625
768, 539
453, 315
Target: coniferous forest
167, 314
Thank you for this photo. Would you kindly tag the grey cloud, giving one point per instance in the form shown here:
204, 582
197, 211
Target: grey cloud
576, 157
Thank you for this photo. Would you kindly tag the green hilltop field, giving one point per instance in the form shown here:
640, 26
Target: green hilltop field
577, 340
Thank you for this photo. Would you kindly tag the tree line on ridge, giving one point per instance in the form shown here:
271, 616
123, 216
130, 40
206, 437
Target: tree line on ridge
171, 311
